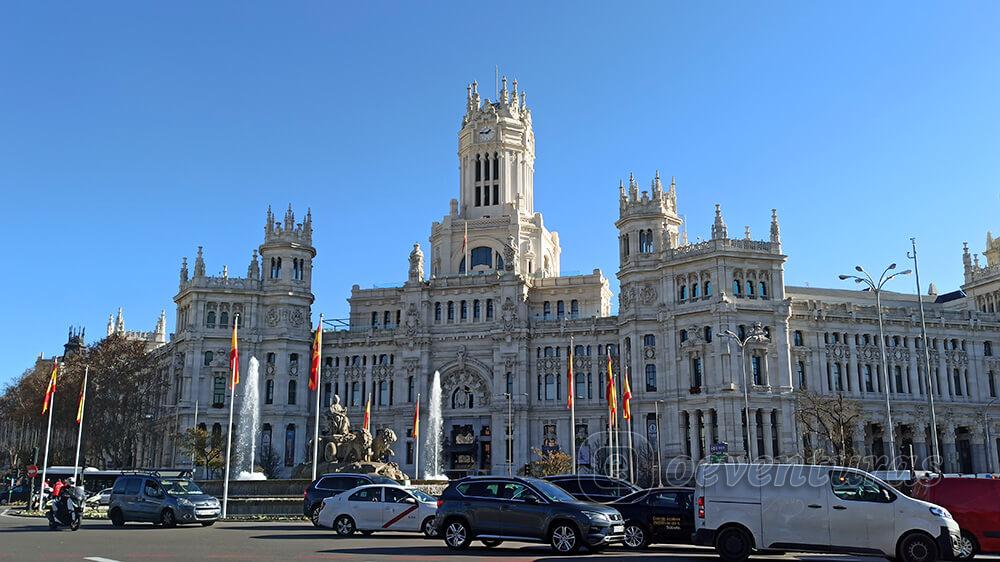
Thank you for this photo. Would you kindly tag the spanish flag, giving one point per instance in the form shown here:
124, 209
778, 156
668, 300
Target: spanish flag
51, 389
316, 355
626, 397
368, 414
416, 421
612, 397
83, 398
234, 358
569, 379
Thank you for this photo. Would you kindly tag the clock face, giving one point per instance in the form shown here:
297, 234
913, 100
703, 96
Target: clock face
486, 133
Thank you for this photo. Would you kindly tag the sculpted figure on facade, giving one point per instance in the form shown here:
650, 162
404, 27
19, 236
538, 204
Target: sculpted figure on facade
416, 264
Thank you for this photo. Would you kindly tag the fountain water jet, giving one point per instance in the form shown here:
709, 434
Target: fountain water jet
249, 425
432, 445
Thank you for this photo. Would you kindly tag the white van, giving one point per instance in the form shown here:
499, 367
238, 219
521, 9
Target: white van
742, 507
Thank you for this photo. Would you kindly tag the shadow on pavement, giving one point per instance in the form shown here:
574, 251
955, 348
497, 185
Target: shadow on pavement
478, 552
307, 527
334, 536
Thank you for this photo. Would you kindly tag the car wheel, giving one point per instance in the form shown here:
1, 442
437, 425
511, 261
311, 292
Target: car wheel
457, 534
917, 548
117, 519
314, 514
491, 543
167, 518
733, 545
564, 538
344, 526
428, 528
207, 523
636, 536
966, 547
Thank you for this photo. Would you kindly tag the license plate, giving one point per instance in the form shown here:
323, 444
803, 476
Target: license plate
618, 528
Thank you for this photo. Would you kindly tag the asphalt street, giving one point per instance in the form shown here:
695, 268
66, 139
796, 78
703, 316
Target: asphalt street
24, 538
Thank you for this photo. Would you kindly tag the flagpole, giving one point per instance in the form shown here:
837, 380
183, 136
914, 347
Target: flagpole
79, 433
572, 406
416, 442
48, 434
194, 464
316, 427
631, 460
229, 429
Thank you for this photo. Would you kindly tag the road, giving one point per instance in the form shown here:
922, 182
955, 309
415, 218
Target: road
30, 539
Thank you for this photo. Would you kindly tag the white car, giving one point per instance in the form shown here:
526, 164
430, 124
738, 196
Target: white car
379, 507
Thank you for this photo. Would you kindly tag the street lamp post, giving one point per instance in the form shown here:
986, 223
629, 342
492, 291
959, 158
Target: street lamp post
509, 434
990, 446
659, 448
756, 335
877, 289
935, 448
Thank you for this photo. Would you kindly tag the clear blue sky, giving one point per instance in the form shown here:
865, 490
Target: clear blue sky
131, 133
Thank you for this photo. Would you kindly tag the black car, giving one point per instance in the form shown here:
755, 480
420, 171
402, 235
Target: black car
593, 487
662, 515
329, 485
493, 509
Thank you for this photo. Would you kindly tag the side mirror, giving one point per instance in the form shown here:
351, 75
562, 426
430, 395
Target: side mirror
530, 499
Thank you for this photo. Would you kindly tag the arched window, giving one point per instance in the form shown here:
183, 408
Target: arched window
683, 335
486, 170
451, 311
386, 319
574, 308
547, 310
736, 287
291, 392
708, 289
682, 293
988, 349
695, 290
489, 309
496, 166
750, 288
210, 319
649, 340
223, 319
642, 241
797, 337
383, 396
475, 310
650, 377
290, 445
763, 290
269, 391
464, 310
437, 312
560, 310
708, 334
479, 170
209, 357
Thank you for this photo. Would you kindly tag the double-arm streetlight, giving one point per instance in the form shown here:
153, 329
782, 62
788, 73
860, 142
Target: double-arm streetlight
509, 437
756, 335
990, 446
877, 289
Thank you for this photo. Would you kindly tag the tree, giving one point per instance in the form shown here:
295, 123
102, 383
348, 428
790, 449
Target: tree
206, 448
550, 463
832, 419
270, 463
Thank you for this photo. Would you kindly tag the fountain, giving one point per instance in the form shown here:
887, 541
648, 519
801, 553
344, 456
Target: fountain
432, 445
249, 425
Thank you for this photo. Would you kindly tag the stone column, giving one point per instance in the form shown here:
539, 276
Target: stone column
693, 435
920, 452
978, 447
765, 417
858, 440
949, 452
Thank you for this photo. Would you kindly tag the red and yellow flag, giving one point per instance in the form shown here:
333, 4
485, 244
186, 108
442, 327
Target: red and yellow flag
51, 388
234, 360
316, 356
366, 424
416, 421
83, 398
626, 398
612, 397
569, 379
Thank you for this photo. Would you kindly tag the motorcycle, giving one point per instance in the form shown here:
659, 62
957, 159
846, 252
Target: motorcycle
65, 511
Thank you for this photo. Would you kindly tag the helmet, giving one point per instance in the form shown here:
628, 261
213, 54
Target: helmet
70, 481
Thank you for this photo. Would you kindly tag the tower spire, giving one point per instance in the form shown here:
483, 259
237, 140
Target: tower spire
719, 230
120, 322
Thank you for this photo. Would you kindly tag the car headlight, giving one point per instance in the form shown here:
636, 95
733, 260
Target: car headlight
940, 512
185, 502
595, 515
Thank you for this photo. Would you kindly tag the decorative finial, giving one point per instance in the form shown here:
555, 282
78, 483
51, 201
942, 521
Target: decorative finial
719, 230
775, 229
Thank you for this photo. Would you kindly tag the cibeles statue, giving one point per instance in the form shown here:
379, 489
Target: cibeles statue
352, 450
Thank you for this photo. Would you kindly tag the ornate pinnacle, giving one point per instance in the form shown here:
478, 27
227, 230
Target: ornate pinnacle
775, 229
719, 230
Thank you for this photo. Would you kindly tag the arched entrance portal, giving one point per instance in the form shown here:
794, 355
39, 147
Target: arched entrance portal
467, 446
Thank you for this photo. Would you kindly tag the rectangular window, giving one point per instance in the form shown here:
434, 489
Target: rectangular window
374, 319
509, 383
695, 372
464, 310
409, 451
218, 392
476, 313
869, 379
802, 375
758, 374
479, 196
496, 194
269, 391
993, 385
409, 389
838, 376
489, 309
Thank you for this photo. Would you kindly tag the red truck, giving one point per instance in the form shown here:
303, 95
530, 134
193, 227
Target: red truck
975, 505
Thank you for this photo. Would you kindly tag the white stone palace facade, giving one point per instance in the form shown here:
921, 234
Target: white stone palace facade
495, 317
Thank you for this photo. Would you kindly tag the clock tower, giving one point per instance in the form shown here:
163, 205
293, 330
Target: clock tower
496, 155
493, 224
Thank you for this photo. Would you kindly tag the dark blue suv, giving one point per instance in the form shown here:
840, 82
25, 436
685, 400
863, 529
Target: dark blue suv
493, 509
329, 485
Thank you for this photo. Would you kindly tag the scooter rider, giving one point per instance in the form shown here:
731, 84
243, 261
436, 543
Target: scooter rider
67, 509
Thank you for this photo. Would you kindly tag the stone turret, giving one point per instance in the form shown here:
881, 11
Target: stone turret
719, 229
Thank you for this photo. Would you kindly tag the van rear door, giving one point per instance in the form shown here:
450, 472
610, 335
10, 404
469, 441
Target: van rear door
794, 507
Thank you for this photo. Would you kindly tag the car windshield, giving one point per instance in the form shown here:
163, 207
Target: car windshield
181, 487
422, 496
552, 492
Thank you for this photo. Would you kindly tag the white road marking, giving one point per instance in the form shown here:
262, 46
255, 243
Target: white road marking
99, 559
